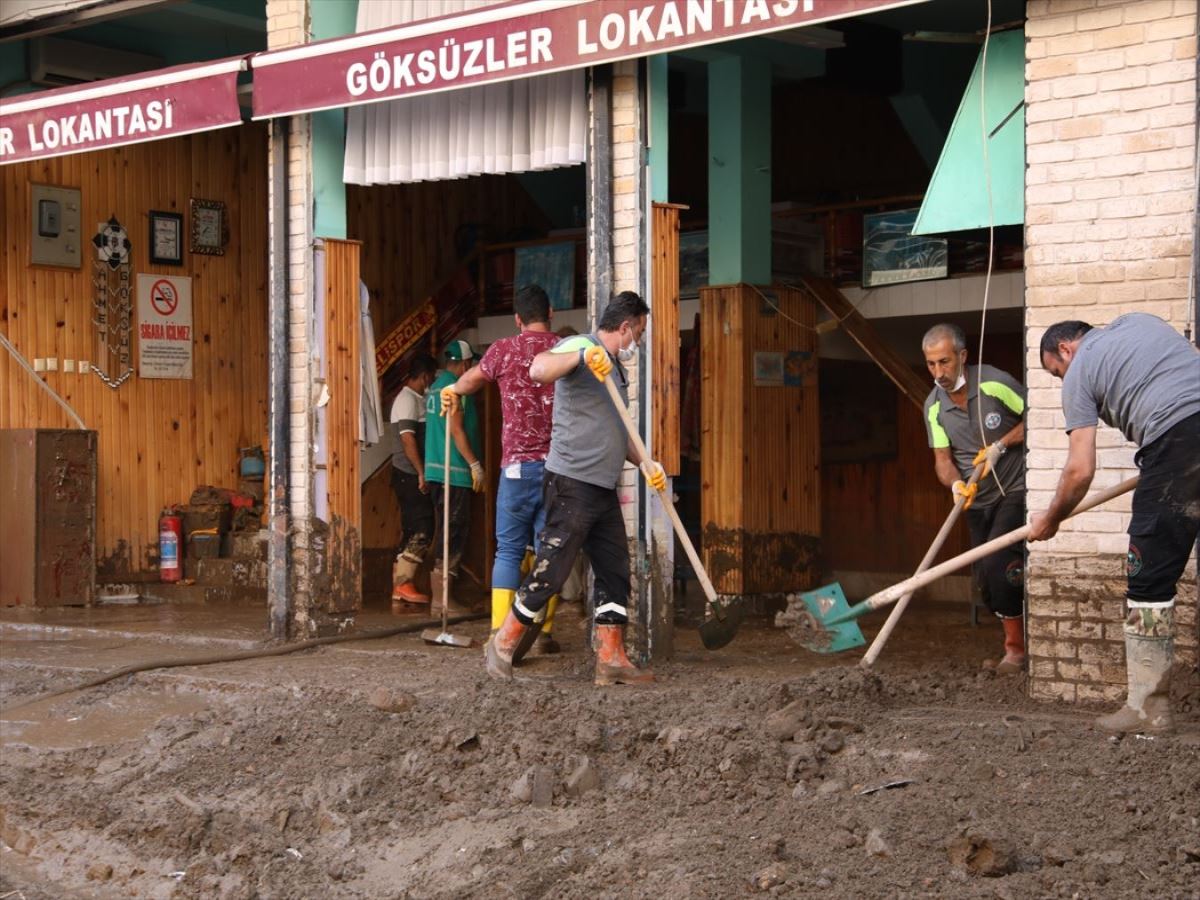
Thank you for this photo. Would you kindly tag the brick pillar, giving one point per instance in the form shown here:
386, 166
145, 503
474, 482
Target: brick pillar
1109, 198
288, 25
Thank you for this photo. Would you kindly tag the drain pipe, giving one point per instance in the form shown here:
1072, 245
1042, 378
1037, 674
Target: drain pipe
278, 599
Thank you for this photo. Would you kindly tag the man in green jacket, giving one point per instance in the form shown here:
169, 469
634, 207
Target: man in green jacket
466, 469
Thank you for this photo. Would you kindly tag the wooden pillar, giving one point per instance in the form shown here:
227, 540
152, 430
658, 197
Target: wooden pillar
760, 443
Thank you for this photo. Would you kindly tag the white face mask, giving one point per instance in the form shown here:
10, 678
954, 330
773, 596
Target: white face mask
958, 385
625, 354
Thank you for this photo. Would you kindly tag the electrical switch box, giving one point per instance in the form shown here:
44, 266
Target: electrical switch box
56, 239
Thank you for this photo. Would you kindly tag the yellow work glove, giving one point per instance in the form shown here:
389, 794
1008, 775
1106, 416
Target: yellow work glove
966, 491
989, 456
597, 360
450, 400
477, 480
654, 474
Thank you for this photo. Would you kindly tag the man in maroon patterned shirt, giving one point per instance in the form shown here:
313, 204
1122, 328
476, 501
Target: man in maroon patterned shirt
527, 411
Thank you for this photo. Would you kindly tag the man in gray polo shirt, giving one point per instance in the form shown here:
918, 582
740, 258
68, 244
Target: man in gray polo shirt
973, 415
1141, 376
588, 449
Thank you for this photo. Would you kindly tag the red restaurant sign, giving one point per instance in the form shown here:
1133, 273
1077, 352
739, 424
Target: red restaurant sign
515, 40
161, 104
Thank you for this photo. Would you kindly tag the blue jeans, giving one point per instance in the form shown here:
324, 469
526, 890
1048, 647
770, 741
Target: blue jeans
520, 517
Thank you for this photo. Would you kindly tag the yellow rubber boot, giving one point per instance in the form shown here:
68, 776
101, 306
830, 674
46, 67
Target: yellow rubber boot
502, 600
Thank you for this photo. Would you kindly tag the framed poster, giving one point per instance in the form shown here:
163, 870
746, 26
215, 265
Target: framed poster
552, 268
164, 326
893, 254
166, 238
768, 368
210, 227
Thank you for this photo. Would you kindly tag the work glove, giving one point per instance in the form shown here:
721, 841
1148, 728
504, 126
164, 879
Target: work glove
989, 456
450, 400
654, 474
966, 491
477, 480
597, 360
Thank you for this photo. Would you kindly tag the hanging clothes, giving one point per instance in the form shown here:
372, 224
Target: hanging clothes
370, 420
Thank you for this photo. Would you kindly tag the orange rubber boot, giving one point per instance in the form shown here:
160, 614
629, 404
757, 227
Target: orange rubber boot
499, 651
1014, 647
612, 665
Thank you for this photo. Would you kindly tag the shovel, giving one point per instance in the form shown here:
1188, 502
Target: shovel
444, 638
885, 632
896, 591
719, 628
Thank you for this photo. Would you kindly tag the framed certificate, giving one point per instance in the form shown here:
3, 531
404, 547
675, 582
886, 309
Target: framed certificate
166, 238
210, 227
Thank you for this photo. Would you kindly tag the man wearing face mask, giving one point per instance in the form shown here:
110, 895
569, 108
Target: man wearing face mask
588, 450
973, 415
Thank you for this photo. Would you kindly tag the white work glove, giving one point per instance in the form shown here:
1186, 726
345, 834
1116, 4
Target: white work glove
477, 477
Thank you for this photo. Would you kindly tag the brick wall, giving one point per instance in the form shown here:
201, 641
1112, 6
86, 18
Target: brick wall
1109, 197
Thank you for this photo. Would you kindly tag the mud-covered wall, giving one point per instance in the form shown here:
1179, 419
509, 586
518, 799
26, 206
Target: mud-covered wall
158, 438
1109, 197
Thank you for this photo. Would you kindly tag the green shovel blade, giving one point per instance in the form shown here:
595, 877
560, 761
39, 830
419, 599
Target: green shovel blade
829, 607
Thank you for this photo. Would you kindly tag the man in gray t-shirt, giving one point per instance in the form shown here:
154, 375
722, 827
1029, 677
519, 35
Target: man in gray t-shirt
1141, 376
588, 449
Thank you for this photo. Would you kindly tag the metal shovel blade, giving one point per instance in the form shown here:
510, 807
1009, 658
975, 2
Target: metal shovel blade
722, 625
826, 605
445, 639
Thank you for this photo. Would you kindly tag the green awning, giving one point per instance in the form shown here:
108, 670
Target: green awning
957, 196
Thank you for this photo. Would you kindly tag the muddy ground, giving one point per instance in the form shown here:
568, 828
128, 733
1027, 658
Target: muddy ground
758, 768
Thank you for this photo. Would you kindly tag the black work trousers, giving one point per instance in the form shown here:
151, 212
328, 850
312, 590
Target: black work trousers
1001, 574
1166, 513
579, 516
460, 523
416, 516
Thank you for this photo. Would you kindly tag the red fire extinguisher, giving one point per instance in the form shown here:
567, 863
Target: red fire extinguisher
170, 537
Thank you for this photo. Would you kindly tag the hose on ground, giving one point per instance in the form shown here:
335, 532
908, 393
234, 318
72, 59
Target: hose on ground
209, 659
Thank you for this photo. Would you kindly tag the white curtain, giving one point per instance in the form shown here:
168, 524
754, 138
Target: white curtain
517, 126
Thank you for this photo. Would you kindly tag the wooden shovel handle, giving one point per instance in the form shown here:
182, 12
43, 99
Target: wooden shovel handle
896, 591
894, 617
446, 529
643, 456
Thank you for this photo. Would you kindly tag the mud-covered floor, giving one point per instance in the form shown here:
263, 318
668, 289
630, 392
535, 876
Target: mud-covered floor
282, 777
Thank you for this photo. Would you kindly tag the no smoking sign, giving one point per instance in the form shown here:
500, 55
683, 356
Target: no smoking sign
164, 326
163, 297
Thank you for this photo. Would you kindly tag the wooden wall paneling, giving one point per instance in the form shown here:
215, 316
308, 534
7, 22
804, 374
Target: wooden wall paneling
664, 299
781, 511
760, 478
343, 380
158, 439
723, 372
409, 233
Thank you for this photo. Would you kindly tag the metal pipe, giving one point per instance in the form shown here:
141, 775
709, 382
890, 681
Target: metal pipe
278, 596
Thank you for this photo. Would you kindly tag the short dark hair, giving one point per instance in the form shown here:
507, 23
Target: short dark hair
625, 307
420, 366
1062, 333
532, 304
